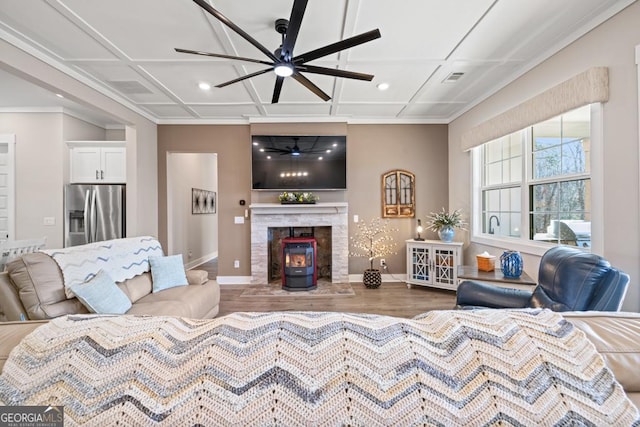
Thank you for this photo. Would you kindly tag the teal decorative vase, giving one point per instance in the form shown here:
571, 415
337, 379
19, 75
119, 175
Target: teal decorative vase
446, 233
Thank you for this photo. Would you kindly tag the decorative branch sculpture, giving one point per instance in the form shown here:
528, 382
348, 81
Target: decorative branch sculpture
373, 240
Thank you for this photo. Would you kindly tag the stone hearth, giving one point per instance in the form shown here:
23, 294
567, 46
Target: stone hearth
266, 215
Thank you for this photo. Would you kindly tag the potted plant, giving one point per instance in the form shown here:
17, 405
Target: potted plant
444, 223
373, 240
288, 197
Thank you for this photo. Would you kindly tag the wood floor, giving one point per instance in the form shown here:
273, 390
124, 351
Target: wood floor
393, 299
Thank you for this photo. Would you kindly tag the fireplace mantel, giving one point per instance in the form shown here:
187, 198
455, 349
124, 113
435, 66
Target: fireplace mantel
332, 214
299, 208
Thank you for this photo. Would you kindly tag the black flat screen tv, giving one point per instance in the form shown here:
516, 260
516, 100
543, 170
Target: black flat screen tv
285, 162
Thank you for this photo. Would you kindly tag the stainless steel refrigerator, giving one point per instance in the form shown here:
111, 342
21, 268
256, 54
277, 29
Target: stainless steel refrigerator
93, 213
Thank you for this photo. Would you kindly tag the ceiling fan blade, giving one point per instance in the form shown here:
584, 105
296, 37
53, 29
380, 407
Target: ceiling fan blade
309, 85
297, 12
277, 89
226, 21
248, 76
335, 72
218, 55
337, 47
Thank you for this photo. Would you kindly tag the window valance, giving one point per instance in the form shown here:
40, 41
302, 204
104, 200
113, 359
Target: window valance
585, 88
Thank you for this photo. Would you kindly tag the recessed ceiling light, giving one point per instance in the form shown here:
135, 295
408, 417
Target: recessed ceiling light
320, 158
383, 86
204, 86
328, 151
59, 95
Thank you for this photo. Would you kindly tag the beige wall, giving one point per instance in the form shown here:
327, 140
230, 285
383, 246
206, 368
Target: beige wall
38, 173
612, 45
42, 169
142, 182
231, 144
141, 133
115, 135
371, 151
195, 236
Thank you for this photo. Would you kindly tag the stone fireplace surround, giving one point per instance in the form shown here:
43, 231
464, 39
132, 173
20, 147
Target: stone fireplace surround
266, 215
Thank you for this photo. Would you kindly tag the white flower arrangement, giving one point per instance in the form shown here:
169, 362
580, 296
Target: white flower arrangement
437, 220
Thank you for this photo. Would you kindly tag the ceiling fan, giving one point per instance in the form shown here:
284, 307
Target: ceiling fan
294, 151
282, 61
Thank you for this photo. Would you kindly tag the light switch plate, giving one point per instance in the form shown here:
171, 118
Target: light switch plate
239, 220
49, 220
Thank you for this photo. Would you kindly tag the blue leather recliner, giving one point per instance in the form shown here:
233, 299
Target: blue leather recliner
568, 280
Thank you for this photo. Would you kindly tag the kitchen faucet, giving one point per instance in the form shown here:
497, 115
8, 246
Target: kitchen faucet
491, 230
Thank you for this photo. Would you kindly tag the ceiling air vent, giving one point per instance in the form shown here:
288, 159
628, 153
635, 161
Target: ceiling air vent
453, 77
129, 87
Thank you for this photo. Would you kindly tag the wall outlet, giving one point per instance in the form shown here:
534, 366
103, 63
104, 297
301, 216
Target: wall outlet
383, 262
190, 254
236, 263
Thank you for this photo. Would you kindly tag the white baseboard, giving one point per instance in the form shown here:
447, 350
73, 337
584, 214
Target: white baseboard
386, 278
353, 278
201, 260
233, 280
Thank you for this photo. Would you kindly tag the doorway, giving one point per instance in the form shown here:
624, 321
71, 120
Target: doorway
192, 211
7, 187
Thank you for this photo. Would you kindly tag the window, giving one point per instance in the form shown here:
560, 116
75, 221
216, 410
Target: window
535, 184
502, 179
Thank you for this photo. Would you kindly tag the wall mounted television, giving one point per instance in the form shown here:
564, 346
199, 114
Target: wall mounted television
298, 162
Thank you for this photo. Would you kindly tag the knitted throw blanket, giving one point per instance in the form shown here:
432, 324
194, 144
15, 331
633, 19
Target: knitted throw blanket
120, 258
447, 368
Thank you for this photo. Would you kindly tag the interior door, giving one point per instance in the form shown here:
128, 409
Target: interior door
7, 195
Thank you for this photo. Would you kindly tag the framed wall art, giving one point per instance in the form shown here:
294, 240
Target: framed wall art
398, 194
203, 201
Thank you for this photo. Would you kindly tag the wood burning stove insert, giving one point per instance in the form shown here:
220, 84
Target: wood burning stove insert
299, 272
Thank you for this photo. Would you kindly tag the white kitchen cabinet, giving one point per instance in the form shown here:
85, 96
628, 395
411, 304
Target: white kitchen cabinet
433, 263
98, 162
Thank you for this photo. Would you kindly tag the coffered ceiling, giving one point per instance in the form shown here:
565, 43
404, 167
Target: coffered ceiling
126, 48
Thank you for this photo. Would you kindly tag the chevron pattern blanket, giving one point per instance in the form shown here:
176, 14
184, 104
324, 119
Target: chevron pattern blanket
522, 368
122, 259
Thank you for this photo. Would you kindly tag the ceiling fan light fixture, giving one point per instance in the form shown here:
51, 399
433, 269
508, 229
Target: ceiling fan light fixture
283, 69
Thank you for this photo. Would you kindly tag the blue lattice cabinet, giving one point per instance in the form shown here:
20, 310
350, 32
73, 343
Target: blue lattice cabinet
433, 263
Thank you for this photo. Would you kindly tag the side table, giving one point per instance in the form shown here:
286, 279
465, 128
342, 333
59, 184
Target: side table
470, 272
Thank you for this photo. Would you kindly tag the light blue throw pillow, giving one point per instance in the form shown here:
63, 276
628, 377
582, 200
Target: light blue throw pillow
167, 272
101, 295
